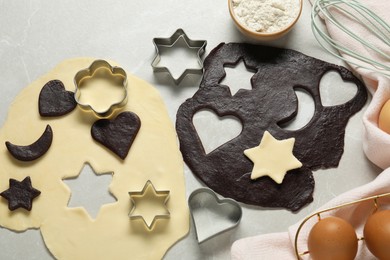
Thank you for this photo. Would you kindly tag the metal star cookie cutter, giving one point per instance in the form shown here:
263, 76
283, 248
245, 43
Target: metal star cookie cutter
227, 214
100, 68
163, 196
170, 43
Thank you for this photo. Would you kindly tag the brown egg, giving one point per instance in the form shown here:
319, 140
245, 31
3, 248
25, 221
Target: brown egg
377, 234
332, 238
384, 117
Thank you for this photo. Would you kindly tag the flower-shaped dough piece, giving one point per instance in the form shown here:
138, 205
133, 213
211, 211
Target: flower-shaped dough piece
101, 74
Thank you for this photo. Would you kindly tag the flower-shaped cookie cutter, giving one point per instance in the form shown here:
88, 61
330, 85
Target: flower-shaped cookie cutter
160, 196
116, 74
170, 42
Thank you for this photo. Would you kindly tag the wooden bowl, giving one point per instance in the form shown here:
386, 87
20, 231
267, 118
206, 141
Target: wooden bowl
260, 36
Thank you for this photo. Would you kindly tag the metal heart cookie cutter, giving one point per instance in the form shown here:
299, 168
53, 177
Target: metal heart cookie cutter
101, 69
170, 42
211, 215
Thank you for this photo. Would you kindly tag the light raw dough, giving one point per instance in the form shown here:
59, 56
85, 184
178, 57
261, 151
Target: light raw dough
69, 233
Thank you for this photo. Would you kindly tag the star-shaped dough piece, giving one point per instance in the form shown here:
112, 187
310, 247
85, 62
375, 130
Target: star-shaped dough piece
149, 205
273, 158
20, 194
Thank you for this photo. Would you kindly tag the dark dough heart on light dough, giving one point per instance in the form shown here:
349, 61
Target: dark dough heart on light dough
54, 100
270, 102
117, 134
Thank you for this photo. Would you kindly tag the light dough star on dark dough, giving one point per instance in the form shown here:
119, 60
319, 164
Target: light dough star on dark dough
271, 102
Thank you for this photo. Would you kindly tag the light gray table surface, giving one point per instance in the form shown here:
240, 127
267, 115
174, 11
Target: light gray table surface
36, 35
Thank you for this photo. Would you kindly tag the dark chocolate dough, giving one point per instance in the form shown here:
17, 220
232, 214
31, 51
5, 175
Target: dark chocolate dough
117, 134
33, 151
271, 102
54, 100
20, 194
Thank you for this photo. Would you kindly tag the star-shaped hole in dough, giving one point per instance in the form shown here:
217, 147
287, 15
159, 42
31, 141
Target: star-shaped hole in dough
273, 158
89, 190
238, 76
20, 194
149, 205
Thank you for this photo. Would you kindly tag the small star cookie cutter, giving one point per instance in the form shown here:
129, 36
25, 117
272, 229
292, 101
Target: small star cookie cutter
100, 68
158, 195
170, 43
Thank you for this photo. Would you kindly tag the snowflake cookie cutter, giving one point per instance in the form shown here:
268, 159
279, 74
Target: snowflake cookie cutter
170, 43
159, 196
100, 68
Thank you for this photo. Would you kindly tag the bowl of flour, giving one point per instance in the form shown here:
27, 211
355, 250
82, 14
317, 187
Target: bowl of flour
265, 19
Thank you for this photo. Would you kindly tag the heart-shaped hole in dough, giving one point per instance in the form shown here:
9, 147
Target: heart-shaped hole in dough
214, 130
334, 90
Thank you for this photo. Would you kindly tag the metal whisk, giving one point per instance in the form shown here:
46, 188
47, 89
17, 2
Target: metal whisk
356, 12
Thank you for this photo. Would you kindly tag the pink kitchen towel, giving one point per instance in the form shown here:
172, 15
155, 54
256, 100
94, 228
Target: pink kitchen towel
376, 143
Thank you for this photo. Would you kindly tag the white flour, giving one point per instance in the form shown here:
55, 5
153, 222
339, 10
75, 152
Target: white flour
266, 15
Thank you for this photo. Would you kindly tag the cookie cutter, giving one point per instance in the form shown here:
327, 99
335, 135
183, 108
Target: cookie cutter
170, 43
374, 198
142, 195
100, 68
227, 213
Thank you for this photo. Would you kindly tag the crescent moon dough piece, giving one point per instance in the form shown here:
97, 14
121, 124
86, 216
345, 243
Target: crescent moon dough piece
33, 151
269, 103
69, 233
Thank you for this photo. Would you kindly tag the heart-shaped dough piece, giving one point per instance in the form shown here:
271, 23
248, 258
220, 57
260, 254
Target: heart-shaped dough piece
54, 100
117, 134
